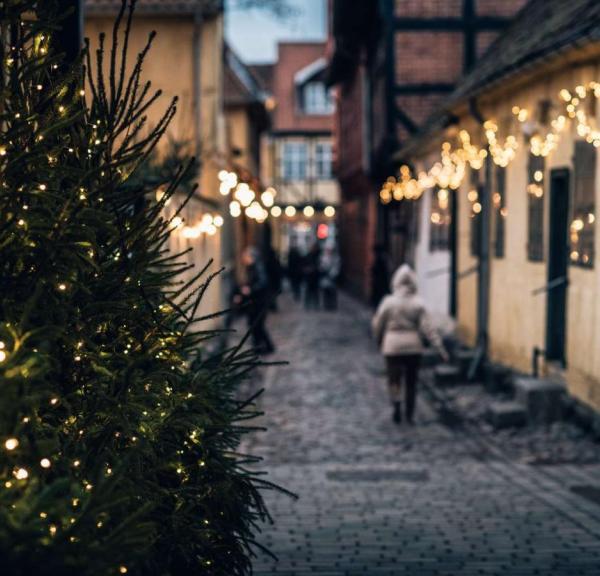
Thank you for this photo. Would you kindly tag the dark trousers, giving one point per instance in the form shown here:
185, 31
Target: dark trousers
311, 295
260, 336
404, 368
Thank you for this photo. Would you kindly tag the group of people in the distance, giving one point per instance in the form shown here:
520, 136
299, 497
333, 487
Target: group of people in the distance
316, 273
313, 275
402, 325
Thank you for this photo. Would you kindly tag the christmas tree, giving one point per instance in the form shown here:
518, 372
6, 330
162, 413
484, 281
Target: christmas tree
118, 437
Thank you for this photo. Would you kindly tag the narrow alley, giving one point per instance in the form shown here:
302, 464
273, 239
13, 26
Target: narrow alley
433, 499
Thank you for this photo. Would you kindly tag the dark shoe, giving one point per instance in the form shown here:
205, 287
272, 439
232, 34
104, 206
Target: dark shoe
397, 412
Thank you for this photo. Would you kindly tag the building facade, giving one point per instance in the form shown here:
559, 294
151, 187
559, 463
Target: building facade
298, 151
398, 61
190, 34
526, 214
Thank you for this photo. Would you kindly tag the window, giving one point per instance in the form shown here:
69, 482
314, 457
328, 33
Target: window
294, 161
535, 193
440, 219
499, 211
584, 206
316, 99
474, 197
323, 160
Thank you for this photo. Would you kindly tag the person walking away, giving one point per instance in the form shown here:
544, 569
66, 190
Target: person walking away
274, 276
294, 271
400, 325
255, 298
329, 266
312, 277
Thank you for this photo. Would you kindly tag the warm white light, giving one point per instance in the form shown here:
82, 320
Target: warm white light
191, 232
329, 211
218, 221
538, 176
235, 209
176, 222
309, 211
2, 355
223, 175
276, 211
21, 474
62, 287
290, 211
268, 198
11, 443
45, 463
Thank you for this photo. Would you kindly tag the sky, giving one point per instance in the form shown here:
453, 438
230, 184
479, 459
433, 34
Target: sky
254, 34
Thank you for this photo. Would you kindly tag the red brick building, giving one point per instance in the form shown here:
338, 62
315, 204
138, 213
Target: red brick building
298, 151
395, 62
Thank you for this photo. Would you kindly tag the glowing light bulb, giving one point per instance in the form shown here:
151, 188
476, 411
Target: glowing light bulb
45, 463
21, 474
309, 211
218, 221
290, 211
11, 443
276, 211
2, 355
329, 211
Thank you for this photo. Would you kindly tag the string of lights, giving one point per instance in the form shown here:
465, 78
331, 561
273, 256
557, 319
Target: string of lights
576, 106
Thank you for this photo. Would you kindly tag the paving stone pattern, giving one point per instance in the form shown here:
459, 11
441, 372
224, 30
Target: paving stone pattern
376, 499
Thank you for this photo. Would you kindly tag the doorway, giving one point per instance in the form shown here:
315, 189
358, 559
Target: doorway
558, 266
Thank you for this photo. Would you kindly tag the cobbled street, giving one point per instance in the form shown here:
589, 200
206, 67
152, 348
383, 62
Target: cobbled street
378, 499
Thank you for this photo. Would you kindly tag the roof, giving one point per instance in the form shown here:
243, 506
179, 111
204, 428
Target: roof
240, 83
313, 71
155, 7
542, 29
264, 75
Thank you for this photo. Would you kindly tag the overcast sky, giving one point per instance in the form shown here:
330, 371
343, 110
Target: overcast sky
254, 34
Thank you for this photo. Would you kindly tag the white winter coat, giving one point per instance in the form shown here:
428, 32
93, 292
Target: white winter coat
402, 320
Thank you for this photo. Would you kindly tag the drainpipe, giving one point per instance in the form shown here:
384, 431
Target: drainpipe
197, 85
483, 283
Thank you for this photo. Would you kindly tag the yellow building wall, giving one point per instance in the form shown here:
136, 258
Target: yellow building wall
172, 66
518, 318
467, 289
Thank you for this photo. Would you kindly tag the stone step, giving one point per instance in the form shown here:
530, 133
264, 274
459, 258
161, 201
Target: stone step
497, 378
541, 398
446, 375
464, 359
508, 414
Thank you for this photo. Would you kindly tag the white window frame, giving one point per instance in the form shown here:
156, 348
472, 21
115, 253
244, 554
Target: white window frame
317, 100
323, 160
294, 161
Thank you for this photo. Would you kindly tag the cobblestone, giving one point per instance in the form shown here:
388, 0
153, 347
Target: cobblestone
378, 499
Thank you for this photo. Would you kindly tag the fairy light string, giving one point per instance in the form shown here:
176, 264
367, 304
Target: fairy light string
577, 106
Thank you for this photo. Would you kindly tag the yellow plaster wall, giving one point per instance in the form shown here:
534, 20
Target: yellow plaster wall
172, 67
517, 318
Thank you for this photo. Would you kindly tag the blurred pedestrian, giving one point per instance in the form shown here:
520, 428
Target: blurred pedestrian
400, 325
274, 275
329, 266
312, 275
255, 299
380, 276
295, 272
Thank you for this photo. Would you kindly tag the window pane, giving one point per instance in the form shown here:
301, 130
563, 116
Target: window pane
474, 198
499, 211
440, 220
323, 160
535, 194
293, 161
317, 99
584, 206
